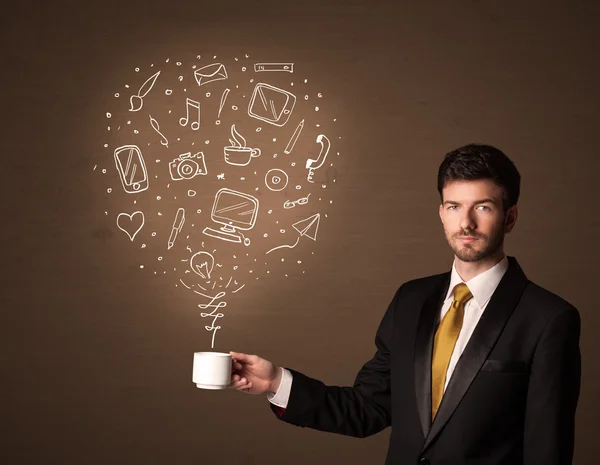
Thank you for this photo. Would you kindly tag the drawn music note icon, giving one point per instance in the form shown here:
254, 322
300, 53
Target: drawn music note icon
189, 103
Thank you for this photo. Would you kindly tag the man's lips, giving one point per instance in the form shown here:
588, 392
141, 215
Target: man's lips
468, 238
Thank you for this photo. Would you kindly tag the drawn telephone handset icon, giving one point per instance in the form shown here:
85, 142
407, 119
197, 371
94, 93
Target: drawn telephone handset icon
312, 165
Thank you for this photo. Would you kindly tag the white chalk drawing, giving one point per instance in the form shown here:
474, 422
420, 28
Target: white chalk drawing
238, 289
186, 166
271, 104
131, 224
276, 179
237, 153
218, 315
137, 101
223, 99
260, 67
308, 227
312, 165
176, 229
132, 168
236, 212
211, 304
202, 263
164, 141
284, 246
294, 138
292, 203
189, 103
210, 73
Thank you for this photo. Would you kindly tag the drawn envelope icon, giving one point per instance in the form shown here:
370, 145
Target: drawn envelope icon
210, 73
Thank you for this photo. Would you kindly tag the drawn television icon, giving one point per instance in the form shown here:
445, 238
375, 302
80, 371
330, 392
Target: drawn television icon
132, 168
271, 104
236, 212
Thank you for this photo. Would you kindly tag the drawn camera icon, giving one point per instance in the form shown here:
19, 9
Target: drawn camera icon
271, 104
186, 166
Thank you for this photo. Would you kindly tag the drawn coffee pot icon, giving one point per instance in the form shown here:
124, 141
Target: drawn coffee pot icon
237, 153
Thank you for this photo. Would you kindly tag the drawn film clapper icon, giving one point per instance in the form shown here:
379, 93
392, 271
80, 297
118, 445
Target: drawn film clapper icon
271, 104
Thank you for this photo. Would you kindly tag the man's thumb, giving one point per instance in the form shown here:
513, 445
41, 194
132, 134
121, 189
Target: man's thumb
239, 356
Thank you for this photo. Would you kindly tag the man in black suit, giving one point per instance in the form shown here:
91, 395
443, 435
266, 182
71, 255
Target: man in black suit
478, 365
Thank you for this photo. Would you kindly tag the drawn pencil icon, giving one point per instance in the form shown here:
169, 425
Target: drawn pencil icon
137, 101
294, 138
223, 98
177, 225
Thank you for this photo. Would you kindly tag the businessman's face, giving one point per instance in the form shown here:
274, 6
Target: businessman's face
474, 219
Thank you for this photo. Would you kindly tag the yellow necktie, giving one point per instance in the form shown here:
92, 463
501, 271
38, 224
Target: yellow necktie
444, 342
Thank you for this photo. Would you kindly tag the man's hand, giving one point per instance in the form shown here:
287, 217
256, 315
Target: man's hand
253, 375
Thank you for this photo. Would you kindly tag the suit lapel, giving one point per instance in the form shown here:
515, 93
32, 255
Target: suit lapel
483, 339
424, 348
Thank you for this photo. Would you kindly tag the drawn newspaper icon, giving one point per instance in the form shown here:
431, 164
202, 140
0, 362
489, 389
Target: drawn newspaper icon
271, 104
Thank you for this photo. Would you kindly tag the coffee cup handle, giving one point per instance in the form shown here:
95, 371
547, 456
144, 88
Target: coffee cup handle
255, 153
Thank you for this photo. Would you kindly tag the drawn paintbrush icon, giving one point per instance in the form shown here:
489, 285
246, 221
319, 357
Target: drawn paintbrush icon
137, 100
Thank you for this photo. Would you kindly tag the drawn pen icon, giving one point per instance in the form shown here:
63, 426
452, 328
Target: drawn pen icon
294, 138
177, 225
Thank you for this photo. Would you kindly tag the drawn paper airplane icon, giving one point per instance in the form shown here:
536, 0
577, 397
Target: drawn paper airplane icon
309, 226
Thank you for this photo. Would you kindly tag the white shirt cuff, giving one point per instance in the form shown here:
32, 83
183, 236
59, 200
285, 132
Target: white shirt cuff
281, 397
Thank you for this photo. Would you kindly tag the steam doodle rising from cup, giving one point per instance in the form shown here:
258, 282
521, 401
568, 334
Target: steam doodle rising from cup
237, 153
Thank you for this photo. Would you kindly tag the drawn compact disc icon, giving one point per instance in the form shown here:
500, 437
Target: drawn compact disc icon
276, 179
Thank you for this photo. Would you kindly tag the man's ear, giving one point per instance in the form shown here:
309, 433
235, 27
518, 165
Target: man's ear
510, 218
441, 209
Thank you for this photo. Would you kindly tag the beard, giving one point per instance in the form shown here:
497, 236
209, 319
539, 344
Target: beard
484, 247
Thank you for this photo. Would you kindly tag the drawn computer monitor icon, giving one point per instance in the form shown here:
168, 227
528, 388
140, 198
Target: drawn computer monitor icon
131, 168
271, 104
236, 212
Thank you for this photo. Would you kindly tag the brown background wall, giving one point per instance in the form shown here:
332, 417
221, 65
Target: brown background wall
96, 357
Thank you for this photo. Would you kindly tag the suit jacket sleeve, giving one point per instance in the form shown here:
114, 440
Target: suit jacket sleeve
553, 392
361, 410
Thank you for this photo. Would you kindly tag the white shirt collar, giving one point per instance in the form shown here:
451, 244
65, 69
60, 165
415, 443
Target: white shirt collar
481, 286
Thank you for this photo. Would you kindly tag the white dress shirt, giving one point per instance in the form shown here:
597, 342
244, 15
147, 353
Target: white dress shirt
481, 286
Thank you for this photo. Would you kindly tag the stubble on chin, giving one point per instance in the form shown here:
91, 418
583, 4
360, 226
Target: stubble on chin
476, 251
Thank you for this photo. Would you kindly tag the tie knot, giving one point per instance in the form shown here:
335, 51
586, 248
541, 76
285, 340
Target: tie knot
462, 293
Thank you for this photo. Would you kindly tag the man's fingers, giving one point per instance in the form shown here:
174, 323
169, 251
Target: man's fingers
237, 355
241, 384
237, 365
244, 358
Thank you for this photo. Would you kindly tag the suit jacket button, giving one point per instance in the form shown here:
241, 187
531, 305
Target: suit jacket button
423, 461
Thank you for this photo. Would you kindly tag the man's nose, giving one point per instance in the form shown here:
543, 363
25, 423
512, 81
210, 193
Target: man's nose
467, 221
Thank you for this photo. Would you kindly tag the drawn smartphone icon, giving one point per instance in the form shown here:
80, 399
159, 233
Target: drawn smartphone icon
271, 104
131, 168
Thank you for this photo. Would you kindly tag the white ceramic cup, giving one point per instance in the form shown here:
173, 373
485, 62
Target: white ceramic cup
211, 370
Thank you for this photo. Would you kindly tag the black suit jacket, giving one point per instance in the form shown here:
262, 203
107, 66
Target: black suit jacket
511, 399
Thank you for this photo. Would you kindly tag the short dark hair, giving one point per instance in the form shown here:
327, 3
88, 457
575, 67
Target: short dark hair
478, 161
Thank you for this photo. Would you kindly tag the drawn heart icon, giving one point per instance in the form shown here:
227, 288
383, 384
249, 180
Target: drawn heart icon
131, 224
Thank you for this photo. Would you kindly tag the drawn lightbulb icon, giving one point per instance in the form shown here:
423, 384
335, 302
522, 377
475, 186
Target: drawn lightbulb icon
202, 264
